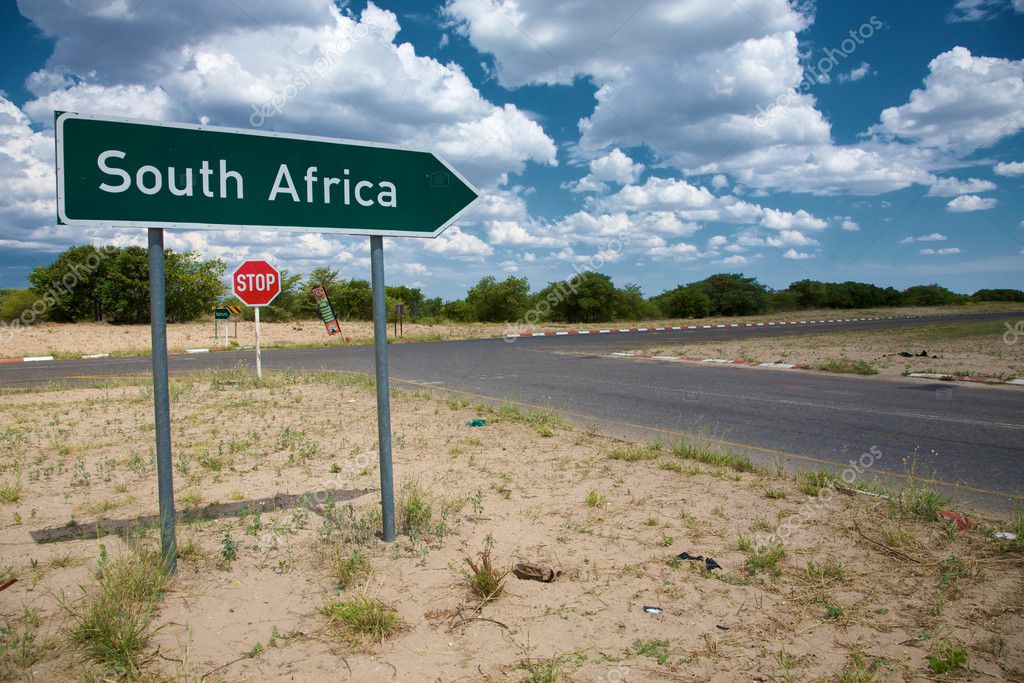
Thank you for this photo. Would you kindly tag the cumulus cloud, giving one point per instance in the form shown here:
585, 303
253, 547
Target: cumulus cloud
967, 103
857, 74
301, 67
848, 224
1012, 168
455, 242
940, 252
795, 255
969, 202
933, 237
787, 238
615, 167
734, 260
690, 202
513, 233
953, 187
784, 220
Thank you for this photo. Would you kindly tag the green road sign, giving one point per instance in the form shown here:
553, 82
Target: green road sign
221, 313
120, 172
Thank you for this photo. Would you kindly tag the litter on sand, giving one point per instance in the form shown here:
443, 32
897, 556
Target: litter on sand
908, 354
1004, 536
957, 518
479, 422
708, 561
535, 572
651, 609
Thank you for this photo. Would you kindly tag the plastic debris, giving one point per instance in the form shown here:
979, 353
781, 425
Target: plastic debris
908, 354
651, 609
1004, 536
709, 562
535, 572
958, 519
479, 422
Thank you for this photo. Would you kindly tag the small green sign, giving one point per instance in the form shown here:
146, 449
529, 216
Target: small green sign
125, 173
221, 313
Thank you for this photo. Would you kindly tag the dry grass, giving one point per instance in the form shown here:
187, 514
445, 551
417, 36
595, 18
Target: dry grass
975, 349
298, 597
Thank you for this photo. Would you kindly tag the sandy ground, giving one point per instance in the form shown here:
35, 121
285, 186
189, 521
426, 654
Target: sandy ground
89, 338
904, 586
984, 349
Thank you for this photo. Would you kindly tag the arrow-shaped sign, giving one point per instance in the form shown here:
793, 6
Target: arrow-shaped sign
131, 173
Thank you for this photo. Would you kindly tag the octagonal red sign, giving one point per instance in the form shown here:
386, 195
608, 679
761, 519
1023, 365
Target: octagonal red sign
256, 283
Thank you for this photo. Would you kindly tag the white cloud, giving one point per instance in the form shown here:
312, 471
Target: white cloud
680, 251
513, 233
969, 202
615, 167
688, 201
940, 252
717, 241
415, 269
784, 220
734, 260
454, 242
952, 187
299, 67
933, 237
848, 224
127, 101
967, 103
856, 74
978, 10
523, 34
795, 255
1012, 168
719, 182
787, 238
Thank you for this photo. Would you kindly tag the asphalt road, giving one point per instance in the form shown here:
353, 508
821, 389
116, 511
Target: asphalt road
968, 439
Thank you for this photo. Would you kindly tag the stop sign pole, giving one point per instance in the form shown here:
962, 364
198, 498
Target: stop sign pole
256, 283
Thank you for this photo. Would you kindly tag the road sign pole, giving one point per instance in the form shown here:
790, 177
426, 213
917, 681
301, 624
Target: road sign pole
380, 348
161, 398
259, 361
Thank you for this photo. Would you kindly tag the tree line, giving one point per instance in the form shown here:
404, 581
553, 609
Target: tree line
86, 283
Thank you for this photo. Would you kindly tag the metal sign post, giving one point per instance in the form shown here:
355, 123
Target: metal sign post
380, 356
259, 360
161, 397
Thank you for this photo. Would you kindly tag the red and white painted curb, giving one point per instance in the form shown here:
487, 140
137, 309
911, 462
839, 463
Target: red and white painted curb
613, 330
91, 356
797, 366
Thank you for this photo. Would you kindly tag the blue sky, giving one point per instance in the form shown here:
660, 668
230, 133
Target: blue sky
657, 141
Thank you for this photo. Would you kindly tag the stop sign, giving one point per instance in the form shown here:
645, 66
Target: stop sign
256, 283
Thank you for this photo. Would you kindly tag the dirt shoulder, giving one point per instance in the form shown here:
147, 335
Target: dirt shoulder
64, 340
978, 349
810, 586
